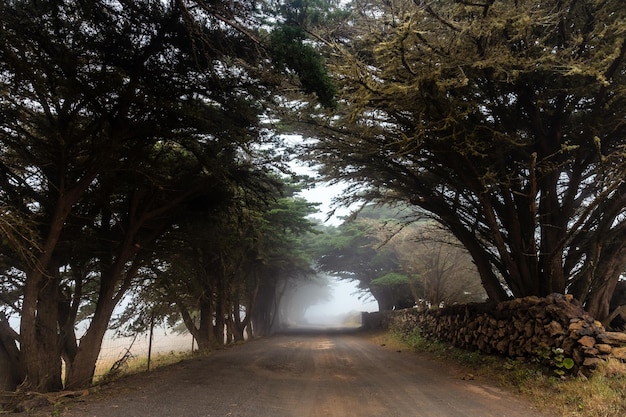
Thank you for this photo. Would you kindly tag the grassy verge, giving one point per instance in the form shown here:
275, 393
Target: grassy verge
603, 394
109, 371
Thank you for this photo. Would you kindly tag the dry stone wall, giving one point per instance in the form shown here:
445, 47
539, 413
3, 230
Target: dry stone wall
530, 327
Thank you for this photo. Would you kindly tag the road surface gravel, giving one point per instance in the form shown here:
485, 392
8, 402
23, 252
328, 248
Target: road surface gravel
304, 374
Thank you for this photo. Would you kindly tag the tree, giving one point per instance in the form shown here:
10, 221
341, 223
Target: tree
212, 266
353, 251
281, 259
504, 120
438, 268
291, 45
401, 258
115, 115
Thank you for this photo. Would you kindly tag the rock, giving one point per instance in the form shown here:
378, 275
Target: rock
554, 328
587, 330
592, 351
514, 304
619, 353
519, 325
592, 362
568, 345
613, 338
522, 327
576, 326
529, 329
587, 341
577, 355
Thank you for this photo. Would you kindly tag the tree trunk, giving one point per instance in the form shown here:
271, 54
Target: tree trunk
8, 381
611, 266
187, 320
39, 350
205, 336
114, 282
68, 345
38, 329
249, 330
599, 301
246, 323
260, 323
39, 339
262, 314
12, 372
218, 330
241, 325
81, 371
238, 325
49, 338
221, 308
230, 329
489, 280
383, 297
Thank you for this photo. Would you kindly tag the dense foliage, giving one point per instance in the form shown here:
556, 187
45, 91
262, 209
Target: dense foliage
504, 120
119, 119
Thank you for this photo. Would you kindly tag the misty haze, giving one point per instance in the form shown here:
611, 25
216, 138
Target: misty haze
339, 310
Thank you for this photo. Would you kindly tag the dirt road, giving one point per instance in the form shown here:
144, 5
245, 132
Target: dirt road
304, 375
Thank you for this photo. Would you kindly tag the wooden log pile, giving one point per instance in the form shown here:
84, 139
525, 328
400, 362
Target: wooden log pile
531, 327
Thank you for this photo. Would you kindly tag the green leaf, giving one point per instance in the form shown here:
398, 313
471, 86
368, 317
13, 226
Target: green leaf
568, 363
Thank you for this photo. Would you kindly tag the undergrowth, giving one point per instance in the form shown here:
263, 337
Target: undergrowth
603, 394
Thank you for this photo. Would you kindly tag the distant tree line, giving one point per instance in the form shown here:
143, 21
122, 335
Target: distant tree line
400, 258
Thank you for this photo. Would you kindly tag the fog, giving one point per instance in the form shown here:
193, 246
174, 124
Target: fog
342, 308
345, 301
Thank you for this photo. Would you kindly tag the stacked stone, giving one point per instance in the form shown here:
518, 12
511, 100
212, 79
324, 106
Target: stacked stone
530, 327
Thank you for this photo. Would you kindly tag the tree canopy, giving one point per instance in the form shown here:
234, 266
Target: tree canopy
138, 153
117, 119
504, 120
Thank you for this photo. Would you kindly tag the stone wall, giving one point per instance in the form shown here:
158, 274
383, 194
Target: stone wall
524, 327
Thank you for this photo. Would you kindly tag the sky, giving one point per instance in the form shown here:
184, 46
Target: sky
323, 194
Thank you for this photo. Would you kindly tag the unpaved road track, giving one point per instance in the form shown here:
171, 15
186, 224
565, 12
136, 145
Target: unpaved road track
302, 374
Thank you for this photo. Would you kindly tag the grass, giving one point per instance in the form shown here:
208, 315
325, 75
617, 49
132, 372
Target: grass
603, 394
128, 365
